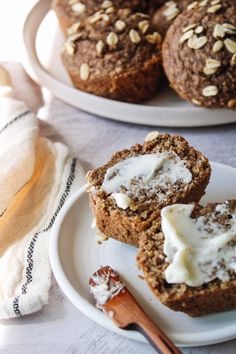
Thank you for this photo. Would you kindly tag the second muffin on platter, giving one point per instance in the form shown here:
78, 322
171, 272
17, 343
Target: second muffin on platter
199, 54
167, 13
115, 55
129, 191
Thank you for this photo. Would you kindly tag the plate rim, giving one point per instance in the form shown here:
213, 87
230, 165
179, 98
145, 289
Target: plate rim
89, 310
71, 95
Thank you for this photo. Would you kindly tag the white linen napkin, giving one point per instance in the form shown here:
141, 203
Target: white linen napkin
36, 178
18, 135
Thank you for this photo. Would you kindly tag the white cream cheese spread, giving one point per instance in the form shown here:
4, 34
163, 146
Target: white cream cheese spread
198, 250
147, 172
122, 200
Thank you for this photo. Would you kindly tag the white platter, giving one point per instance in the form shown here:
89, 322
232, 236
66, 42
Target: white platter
43, 41
75, 255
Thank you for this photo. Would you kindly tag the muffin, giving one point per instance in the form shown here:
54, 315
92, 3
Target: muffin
154, 5
190, 266
167, 13
129, 191
199, 54
115, 55
70, 12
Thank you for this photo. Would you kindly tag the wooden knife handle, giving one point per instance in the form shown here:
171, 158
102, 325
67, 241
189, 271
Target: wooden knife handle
128, 314
156, 337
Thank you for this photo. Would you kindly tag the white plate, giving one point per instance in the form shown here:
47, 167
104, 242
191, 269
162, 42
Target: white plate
43, 41
75, 255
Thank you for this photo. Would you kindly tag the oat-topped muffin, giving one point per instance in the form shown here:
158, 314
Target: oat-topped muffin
129, 191
167, 13
115, 55
191, 265
199, 53
153, 5
70, 11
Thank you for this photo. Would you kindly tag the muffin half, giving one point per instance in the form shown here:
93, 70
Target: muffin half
129, 191
191, 265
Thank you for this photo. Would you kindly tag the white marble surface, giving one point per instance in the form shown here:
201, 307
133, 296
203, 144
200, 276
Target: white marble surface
60, 328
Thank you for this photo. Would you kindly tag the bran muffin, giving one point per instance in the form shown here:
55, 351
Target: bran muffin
115, 55
167, 13
154, 5
129, 191
72, 11
218, 292
199, 54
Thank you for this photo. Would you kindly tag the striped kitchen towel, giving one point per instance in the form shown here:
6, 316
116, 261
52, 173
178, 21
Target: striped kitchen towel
37, 176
